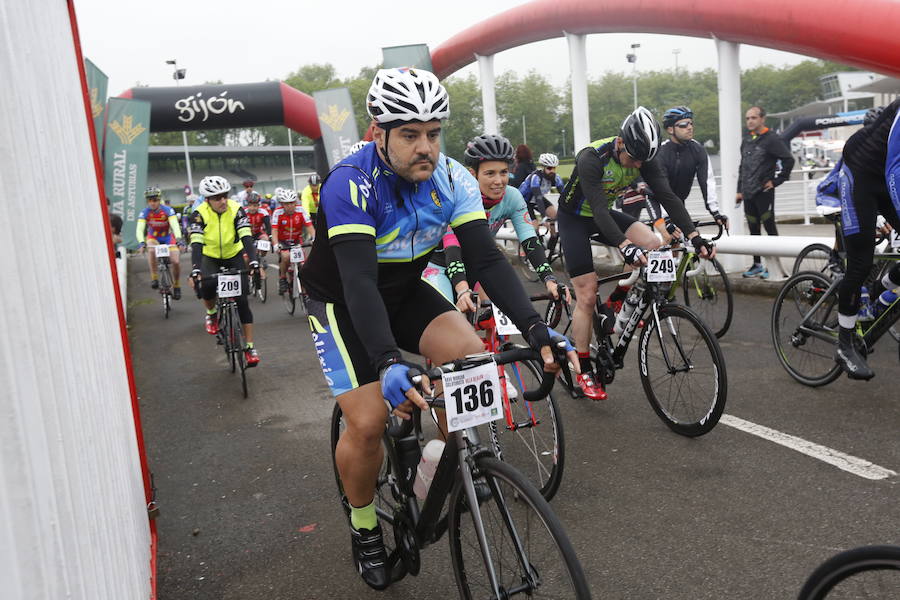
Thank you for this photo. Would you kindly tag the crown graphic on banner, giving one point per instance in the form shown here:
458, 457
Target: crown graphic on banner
335, 118
126, 130
96, 105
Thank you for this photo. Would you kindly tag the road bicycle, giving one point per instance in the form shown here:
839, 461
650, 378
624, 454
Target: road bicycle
680, 362
805, 327
295, 290
164, 277
505, 540
866, 572
259, 286
230, 334
531, 436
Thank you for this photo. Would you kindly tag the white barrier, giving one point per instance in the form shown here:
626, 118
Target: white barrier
73, 515
122, 270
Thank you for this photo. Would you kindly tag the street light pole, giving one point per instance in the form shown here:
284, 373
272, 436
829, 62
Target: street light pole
564, 142
676, 52
178, 75
632, 58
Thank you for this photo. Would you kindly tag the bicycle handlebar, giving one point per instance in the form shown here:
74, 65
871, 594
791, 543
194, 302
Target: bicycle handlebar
404, 428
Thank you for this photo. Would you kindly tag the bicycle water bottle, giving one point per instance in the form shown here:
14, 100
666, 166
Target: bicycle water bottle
431, 456
408, 454
631, 301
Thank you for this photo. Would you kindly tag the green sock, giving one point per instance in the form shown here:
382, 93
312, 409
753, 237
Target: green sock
249, 344
211, 311
363, 518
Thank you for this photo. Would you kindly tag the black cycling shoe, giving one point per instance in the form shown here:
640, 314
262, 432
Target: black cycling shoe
849, 358
154, 284
370, 556
176, 293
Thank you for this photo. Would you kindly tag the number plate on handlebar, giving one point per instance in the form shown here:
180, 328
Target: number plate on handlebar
895, 238
472, 397
162, 251
263, 245
229, 286
660, 266
296, 254
504, 325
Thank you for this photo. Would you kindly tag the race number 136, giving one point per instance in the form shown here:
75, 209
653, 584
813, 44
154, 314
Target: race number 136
472, 397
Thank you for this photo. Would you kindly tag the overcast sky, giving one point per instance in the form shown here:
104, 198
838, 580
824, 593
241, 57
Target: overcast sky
254, 40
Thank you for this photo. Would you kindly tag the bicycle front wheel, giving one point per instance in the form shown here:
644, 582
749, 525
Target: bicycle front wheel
262, 291
534, 442
529, 550
815, 257
682, 370
707, 292
866, 572
804, 339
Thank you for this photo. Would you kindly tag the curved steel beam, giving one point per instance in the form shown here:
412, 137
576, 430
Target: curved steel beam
852, 33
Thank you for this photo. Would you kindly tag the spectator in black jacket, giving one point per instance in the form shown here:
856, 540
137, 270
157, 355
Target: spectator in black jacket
524, 164
761, 149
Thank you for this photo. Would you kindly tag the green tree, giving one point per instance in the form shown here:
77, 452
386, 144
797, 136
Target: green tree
534, 98
466, 116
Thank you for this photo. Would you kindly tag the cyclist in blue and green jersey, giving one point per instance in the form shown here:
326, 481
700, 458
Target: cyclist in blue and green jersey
382, 211
602, 171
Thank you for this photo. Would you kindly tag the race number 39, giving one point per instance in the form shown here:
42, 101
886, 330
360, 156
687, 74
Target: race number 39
660, 266
229, 286
472, 397
504, 325
296, 254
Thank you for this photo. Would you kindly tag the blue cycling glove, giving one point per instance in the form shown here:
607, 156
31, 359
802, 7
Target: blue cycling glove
541, 335
395, 382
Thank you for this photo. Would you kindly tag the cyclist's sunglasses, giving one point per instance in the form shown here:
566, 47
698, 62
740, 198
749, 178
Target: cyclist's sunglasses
684, 125
218, 197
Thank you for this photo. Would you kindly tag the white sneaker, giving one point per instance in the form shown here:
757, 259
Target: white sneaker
511, 392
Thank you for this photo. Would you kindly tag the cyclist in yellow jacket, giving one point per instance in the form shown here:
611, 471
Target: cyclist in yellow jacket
220, 235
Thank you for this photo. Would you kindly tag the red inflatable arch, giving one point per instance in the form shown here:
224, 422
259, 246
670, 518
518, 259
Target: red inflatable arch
862, 34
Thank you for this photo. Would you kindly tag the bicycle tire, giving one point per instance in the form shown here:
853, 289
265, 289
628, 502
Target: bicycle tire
512, 506
290, 303
262, 291
709, 294
700, 391
865, 572
814, 257
525, 267
231, 344
806, 358
537, 451
239, 348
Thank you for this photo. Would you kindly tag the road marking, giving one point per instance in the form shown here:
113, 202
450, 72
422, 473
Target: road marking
845, 462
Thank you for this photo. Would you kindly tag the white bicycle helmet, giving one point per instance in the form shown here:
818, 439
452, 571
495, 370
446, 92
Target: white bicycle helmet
285, 195
548, 160
406, 94
358, 146
640, 132
213, 186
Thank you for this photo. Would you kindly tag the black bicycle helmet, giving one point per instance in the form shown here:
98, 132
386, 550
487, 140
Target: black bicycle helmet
640, 133
488, 147
314, 179
871, 115
675, 114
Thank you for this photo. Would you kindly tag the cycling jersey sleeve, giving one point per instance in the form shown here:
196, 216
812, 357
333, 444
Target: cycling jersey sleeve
140, 232
707, 180
267, 225
518, 214
892, 164
173, 223
590, 175
350, 204
245, 233
358, 266
464, 189
196, 234
655, 177
487, 265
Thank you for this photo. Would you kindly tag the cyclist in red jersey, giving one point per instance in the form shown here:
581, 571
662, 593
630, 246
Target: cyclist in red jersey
260, 223
288, 225
158, 224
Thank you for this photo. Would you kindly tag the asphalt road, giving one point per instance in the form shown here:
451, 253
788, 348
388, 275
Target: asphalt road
249, 508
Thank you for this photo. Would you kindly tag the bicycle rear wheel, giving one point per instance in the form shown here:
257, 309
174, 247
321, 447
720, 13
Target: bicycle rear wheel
866, 572
529, 549
535, 445
525, 267
708, 293
807, 357
682, 370
815, 257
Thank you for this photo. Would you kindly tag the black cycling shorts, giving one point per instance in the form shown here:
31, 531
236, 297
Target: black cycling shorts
342, 355
575, 237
